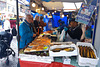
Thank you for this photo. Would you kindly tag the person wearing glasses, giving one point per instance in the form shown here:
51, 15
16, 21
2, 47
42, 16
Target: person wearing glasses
26, 32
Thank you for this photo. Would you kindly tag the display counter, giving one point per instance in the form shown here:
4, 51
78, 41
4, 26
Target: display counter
43, 52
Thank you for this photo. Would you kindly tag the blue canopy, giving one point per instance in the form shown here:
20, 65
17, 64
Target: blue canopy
28, 1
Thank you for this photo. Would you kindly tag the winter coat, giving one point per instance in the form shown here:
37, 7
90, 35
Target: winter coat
26, 34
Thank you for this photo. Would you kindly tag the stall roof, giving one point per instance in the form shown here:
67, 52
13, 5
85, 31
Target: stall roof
66, 6
72, 6
53, 5
66, 0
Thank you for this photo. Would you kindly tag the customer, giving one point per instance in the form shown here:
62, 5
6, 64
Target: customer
36, 23
74, 30
33, 26
26, 32
42, 24
7, 25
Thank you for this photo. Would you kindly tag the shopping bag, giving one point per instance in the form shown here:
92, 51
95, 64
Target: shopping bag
62, 36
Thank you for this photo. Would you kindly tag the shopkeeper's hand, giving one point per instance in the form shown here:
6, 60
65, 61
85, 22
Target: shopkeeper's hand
34, 35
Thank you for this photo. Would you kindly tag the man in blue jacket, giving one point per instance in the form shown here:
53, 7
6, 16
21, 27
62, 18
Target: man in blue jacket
26, 33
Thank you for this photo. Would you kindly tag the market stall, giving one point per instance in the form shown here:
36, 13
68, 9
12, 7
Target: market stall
47, 50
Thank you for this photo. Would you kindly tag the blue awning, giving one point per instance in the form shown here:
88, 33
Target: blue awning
28, 1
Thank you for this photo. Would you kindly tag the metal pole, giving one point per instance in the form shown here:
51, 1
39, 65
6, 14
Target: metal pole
90, 2
17, 25
95, 25
85, 1
75, 5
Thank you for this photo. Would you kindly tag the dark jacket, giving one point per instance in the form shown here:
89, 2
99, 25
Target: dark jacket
14, 31
36, 24
75, 33
33, 27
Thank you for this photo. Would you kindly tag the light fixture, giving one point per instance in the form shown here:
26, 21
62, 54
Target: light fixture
63, 15
52, 12
55, 11
38, 10
33, 4
42, 8
67, 16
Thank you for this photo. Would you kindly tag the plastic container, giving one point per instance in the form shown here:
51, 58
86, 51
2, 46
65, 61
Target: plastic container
82, 61
63, 52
